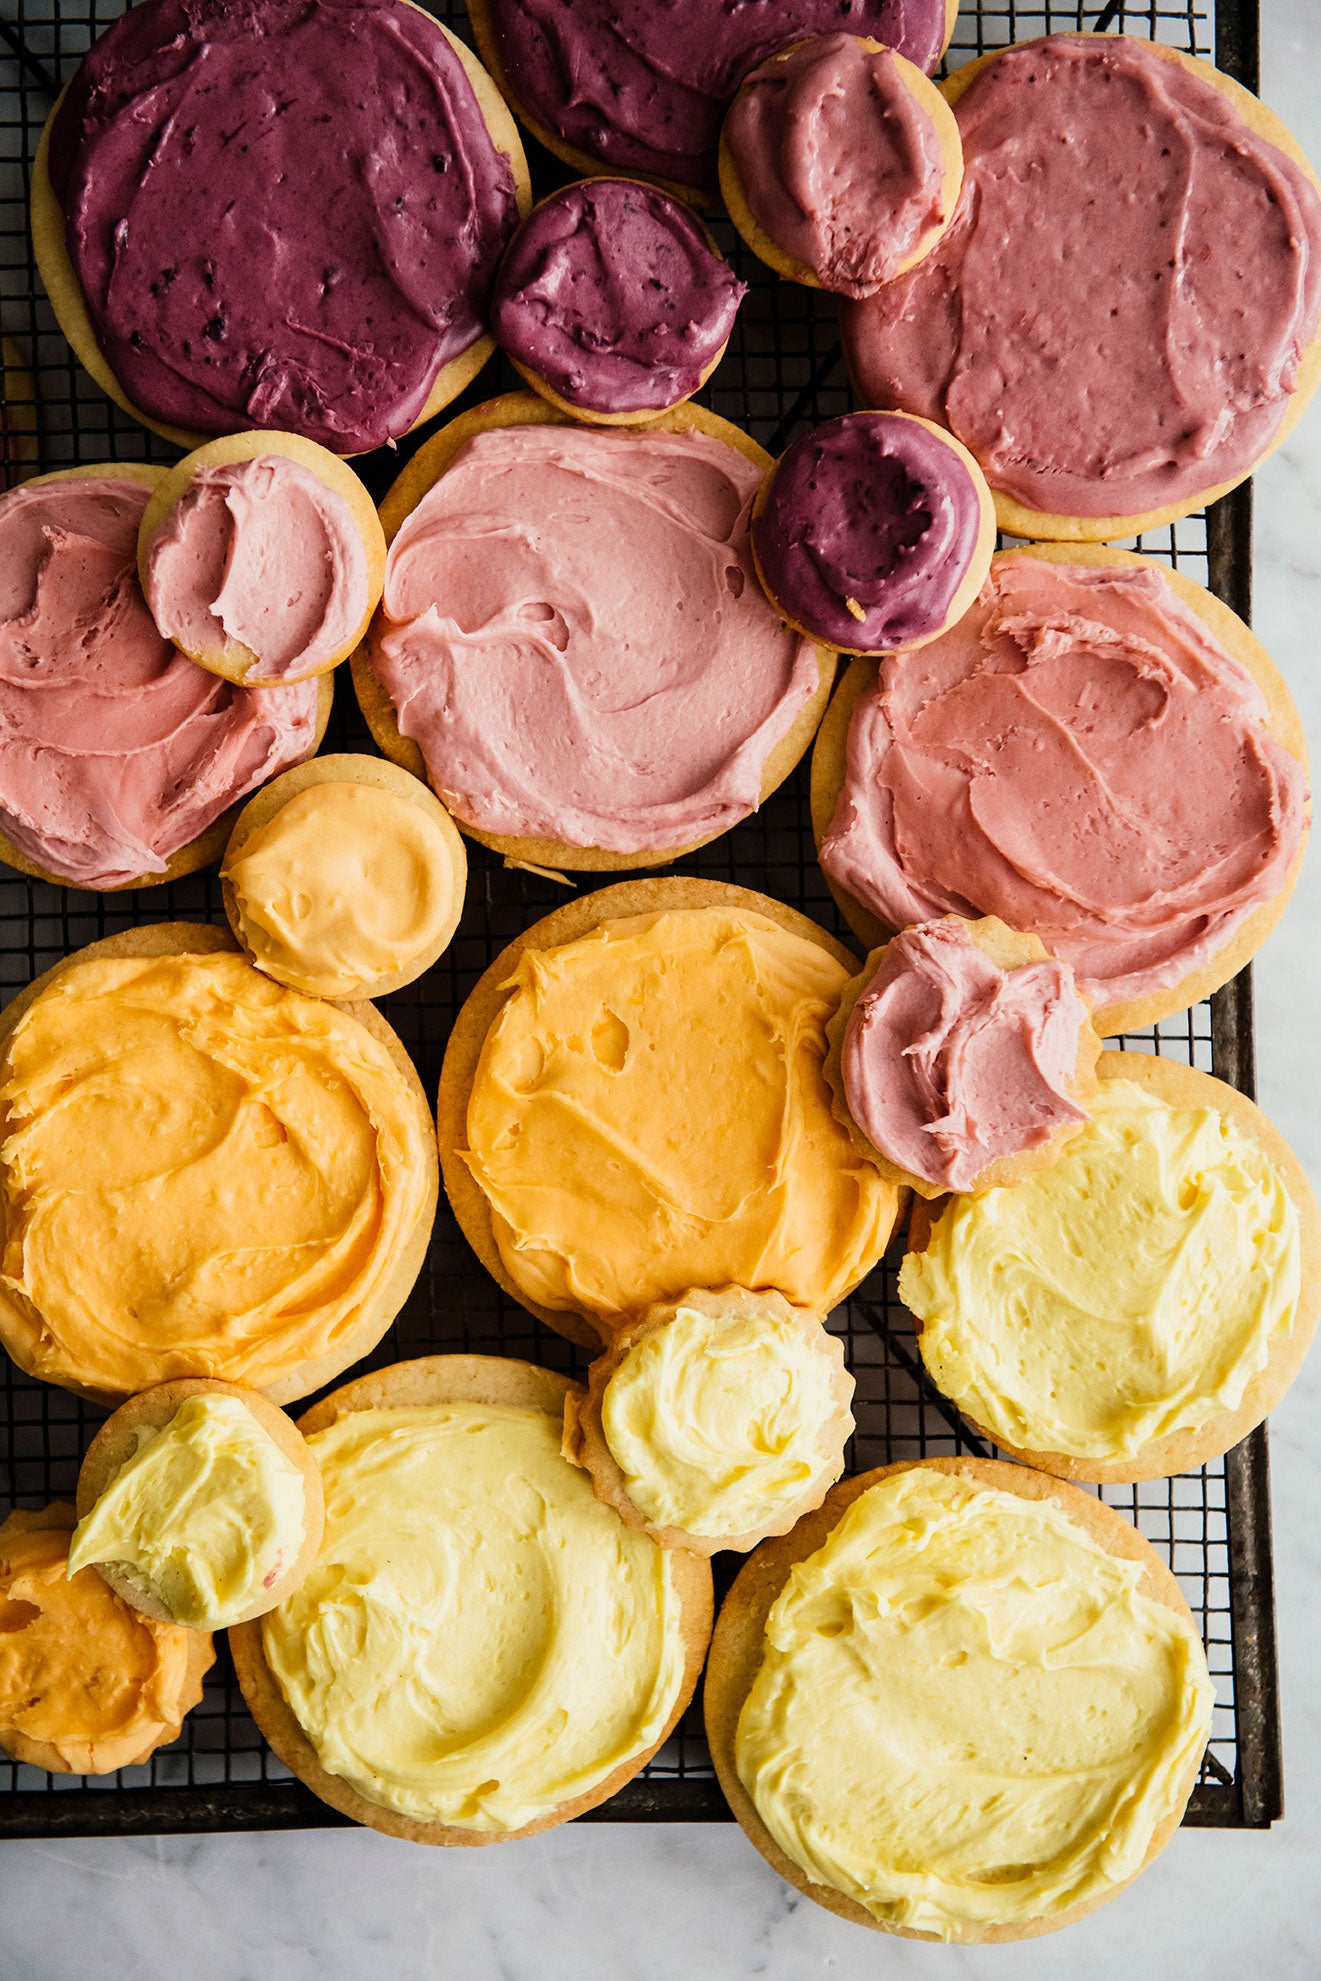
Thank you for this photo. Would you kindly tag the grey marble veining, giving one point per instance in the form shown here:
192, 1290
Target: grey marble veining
655, 1904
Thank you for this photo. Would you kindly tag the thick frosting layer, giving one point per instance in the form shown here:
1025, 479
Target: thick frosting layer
344, 885
967, 1712
1101, 185
316, 275
868, 530
208, 1514
573, 633
1128, 1293
79, 1669
950, 1063
115, 750
200, 1174
479, 1640
1080, 757
644, 86
589, 1123
840, 164
612, 294
721, 1424
264, 554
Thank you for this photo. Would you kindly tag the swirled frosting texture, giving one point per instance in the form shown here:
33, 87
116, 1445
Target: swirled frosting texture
262, 555
1146, 365
839, 163
232, 279
644, 85
950, 1062
200, 1174
345, 885
1080, 757
968, 1713
79, 1670
208, 1514
1129, 1293
115, 750
589, 1122
479, 1640
612, 293
720, 1423
573, 633
869, 528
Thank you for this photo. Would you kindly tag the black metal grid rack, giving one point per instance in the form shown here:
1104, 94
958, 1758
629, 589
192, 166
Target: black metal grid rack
782, 371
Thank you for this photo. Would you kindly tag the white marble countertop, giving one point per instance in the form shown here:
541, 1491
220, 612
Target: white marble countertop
651, 1904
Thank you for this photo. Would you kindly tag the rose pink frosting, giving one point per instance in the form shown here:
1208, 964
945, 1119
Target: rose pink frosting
838, 161
573, 632
1114, 320
1080, 757
261, 552
115, 750
951, 1063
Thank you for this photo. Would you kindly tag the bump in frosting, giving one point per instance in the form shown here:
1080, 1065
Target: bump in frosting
573, 633
589, 1121
201, 1173
869, 528
207, 1514
115, 750
721, 1423
839, 163
265, 556
1101, 185
346, 884
480, 1640
612, 294
645, 85
280, 214
1127, 1294
1081, 757
951, 1063
968, 1713
80, 1671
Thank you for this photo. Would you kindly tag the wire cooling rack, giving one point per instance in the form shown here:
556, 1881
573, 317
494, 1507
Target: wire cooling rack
783, 371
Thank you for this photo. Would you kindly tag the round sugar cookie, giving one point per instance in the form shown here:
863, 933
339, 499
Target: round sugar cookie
1180, 1086
930, 106
1009, 951
829, 759
18, 417
484, 1004
453, 1379
70, 306
20, 1324
228, 656
32, 1544
417, 478
1019, 519
208, 846
762, 1443
737, 1649
370, 774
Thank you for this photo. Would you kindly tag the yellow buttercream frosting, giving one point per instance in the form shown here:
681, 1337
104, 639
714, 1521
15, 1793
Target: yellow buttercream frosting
347, 883
649, 1113
207, 1514
719, 1423
201, 1173
479, 1640
967, 1713
1130, 1292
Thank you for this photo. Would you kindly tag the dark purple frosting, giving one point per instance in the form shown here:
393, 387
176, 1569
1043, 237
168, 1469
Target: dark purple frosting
874, 508
612, 294
644, 84
282, 213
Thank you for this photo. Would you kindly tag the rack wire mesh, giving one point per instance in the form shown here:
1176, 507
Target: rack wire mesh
783, 371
